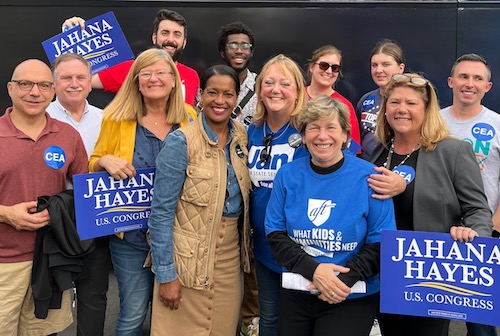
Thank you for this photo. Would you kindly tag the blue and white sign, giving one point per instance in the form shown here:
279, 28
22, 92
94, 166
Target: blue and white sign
430, 274
102, 43
106, 206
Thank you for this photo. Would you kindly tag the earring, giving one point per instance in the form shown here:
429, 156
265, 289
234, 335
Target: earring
199, 106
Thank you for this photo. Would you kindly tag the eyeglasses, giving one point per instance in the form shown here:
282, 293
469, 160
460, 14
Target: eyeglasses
146, 75
324, 66
242, 46
265, 154
417, 80
27, 85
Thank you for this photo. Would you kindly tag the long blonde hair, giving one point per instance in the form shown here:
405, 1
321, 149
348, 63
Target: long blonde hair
290, 69
434, 128
128, 103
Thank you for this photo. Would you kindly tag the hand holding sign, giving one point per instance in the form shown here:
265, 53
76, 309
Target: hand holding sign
462, 233
99, 40
73, 22
115, 166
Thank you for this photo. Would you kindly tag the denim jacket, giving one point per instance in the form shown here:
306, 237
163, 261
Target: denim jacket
190, 194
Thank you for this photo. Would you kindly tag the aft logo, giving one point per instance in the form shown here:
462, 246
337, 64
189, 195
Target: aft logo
319, 211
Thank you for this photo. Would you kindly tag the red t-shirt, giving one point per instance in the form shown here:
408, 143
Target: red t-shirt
34, 168
355, 135
113, 78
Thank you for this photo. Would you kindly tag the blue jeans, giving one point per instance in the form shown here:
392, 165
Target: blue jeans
135, 286
475, 329
269, 283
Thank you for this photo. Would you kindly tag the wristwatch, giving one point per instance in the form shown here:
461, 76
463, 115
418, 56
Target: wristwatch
495, 234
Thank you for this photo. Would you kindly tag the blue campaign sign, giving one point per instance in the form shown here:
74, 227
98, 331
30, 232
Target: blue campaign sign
102, 43
430, 274
105, 206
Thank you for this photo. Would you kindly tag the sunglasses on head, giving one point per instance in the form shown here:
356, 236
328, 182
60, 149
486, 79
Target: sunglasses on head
324, 66
265, 154
417, 80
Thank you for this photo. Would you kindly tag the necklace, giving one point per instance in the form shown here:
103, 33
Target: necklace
272, 134
155, 122
151, 120
387, 163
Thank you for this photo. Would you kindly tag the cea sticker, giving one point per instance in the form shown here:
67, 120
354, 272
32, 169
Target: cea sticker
483, 132
368, 103
407, 172
54, 157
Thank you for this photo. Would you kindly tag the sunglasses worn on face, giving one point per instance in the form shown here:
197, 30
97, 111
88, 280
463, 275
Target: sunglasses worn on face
324, 66
242, 46
265, 154
418, 81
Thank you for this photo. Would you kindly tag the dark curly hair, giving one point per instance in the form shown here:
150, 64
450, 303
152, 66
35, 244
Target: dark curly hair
236, 27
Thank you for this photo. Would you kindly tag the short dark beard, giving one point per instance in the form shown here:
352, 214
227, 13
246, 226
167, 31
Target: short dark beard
177, 54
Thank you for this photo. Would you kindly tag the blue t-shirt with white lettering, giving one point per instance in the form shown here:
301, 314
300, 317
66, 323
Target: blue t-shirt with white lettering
284, 149
330, 215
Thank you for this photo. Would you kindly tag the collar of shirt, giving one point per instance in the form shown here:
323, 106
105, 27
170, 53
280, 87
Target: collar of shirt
61, 108
8, 129
211, 134
249, 81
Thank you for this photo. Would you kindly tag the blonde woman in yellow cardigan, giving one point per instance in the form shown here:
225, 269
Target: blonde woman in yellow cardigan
148, 106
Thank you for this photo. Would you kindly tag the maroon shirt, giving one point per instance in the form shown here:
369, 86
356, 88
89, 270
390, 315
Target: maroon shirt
29, 169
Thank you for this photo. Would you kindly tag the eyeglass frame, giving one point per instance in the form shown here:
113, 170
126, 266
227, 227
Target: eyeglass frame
25, 81
149, 74
239, 46
336, 68
265, 154
416, 80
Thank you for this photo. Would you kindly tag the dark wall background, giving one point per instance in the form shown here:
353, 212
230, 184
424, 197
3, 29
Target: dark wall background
432, 33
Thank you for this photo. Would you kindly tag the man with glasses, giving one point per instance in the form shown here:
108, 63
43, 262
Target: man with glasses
39, 155
469, 120
169, 33
72, 76
236, 44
